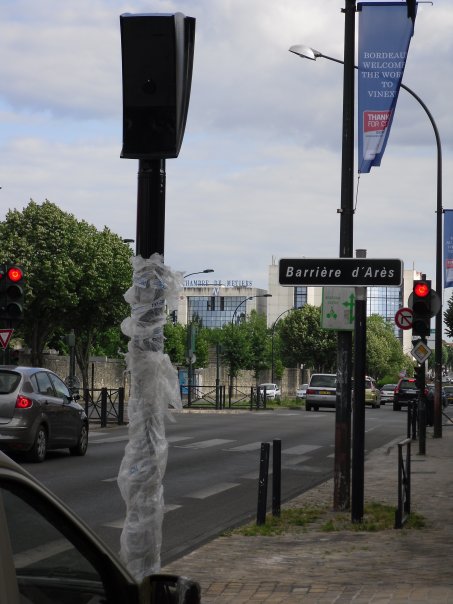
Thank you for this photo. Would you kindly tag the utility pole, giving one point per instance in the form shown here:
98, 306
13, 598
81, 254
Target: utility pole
342, 462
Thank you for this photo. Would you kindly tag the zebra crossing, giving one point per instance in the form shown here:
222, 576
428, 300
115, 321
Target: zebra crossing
295, 457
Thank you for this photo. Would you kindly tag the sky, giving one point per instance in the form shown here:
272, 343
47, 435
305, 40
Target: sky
259, 173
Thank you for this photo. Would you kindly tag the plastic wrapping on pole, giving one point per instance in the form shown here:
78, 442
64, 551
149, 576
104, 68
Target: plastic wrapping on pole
154, 387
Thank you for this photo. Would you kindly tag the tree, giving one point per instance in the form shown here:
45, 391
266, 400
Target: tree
448, 318
75, 277
235, 349
305, 342
259, 344
384, 355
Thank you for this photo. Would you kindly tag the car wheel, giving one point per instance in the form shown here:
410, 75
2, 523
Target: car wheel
396, 407
38, 452
315, 407
81, 447
307, 407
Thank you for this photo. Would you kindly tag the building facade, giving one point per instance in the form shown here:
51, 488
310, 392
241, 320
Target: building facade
214, 303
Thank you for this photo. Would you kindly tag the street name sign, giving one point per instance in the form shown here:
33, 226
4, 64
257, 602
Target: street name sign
344, 272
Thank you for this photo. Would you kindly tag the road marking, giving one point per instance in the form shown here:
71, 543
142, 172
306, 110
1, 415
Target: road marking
205, 444
177, 439
214, 489
109, 439
300, 449
119, 523
248, 447
42, 552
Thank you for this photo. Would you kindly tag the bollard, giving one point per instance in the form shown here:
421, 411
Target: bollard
103, 407
121, 406
262, 484
276, 476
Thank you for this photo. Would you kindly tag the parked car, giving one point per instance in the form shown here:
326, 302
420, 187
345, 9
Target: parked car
302, 391
272, 391
448, 394
48, 554
372, 393
38, 413
430, 393
321, 391
387, 392
405, 391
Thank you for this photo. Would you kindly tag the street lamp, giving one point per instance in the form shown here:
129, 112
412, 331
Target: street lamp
306, 52
245, 300
272, 339
206, 270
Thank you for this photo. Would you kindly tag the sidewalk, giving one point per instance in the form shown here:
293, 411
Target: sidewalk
394, 566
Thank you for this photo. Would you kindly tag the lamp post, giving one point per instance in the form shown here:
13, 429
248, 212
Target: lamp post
272, 339
245, 300
206, 270
307, 52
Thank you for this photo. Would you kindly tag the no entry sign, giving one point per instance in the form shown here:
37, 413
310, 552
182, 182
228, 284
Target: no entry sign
403, 318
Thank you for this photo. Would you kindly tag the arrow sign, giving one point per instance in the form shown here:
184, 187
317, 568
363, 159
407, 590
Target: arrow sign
403, 318
5, 337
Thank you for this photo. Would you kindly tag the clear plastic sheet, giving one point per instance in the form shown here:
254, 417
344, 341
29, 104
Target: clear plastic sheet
154, 387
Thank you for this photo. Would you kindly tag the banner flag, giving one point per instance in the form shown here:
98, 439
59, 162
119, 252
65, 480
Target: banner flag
448, 248
385, 31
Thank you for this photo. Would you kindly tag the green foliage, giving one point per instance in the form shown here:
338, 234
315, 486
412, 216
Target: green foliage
383, 352
75, 276
259, 344
176, 344
289, 520
305, 342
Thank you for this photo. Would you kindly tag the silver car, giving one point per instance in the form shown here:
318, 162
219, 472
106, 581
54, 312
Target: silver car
38, 413
321, 391
387, 392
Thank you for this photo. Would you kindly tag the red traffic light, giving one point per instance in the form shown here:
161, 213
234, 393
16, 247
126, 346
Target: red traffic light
14, 274
422, 289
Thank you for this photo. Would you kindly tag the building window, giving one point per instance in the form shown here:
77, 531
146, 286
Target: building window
215, 311
300, 297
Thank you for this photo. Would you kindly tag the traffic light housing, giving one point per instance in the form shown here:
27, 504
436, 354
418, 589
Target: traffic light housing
421, 308
157, 58
11, 293
420, 377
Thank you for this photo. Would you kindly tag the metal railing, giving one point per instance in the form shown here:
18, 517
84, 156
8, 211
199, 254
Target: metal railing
404, 484
214, 397
104, 404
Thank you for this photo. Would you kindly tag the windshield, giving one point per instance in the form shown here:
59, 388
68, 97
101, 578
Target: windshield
328, 381
408, 385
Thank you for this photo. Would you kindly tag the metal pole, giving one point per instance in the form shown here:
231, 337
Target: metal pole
150, 208
344, 353
262, 484
276, 476
358, 418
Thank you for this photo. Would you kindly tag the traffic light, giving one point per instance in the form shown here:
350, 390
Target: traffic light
421, 308
11, 292
420, 377
157, 57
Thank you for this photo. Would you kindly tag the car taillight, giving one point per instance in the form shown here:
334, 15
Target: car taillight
22, 402
397, 389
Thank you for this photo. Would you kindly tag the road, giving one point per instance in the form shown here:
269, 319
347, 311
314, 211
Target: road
212, 472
